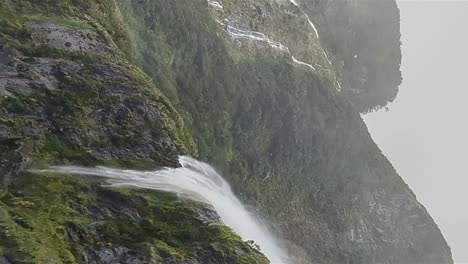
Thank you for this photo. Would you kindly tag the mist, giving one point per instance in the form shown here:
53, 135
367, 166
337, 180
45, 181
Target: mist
424, 132
197, 180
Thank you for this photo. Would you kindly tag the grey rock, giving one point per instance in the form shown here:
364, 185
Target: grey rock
107, 255
12, 164
3, 260
61, 37
207, 214
239, 251
68, 68
116, 255
7, 55
23, 76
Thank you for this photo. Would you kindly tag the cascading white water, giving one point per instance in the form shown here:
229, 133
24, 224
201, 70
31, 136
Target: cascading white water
199, 179
238, 33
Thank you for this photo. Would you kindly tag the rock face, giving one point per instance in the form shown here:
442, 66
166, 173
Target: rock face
277, 101
369, 66
268, 91
108, 104
69, 95
61, 37
86, 223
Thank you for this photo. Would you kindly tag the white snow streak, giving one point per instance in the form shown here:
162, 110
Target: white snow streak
303, 63
326, 57
257, 36
294, 2
215, 4
312, 25
238, 33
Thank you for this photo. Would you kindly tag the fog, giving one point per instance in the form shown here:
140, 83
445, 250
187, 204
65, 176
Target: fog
425, 131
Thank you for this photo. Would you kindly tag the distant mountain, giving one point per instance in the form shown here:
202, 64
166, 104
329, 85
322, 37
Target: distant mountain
269, 92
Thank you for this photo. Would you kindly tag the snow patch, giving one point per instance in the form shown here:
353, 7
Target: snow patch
294, 2
215, 4
256, 36
302, 63
261, 37
326, 57
312, 25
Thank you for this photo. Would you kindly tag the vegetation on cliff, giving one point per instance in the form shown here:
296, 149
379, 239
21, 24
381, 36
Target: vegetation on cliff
290, 144
61, 219
70, 95
287, 141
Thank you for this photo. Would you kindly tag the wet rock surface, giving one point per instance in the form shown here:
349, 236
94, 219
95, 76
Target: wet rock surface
289, 142
208, 214
36, 90
61, 37
297, 151
3, 260
115, 256
67, 97
23, 76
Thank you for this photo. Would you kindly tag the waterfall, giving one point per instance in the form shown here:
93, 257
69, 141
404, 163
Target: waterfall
195, 179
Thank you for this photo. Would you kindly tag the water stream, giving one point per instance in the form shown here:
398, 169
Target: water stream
195, 179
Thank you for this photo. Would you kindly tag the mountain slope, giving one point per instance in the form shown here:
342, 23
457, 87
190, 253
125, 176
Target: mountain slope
254, 82
69, 95
264, 90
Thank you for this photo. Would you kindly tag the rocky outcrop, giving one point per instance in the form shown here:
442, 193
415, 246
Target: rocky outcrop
23, 76
369, 65
291, 142
261, 89
108, 104
92, 224
3, 260
72, 39
69, 95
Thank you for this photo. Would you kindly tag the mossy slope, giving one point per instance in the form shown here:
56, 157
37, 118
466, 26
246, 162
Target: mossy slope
69, 93
289, 143
60, 219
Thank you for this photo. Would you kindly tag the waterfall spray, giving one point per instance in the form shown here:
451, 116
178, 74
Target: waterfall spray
198, 179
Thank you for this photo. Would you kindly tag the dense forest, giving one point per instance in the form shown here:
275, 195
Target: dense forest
287, 142
134, 84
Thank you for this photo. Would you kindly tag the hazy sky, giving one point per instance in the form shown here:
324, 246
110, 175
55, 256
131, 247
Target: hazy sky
425, 133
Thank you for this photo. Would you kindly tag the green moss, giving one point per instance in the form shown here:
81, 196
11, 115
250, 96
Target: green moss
172, 228
172, 121
62, 21
53, 149
13, 30
134, 164
105, 17
164, 249
69, 13
176, 127
33, 217
38, 212
15, 123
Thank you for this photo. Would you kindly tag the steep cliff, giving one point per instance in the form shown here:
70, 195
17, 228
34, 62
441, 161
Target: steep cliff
272, 98
364, 36
69, 95
268, 91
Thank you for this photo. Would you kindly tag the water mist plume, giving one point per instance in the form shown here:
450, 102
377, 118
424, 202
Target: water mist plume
199, 179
